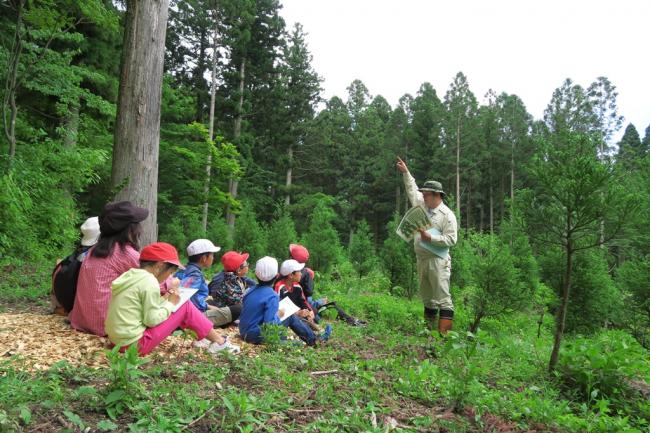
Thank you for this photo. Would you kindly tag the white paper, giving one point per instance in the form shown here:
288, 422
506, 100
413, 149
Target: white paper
288, 308
185, 294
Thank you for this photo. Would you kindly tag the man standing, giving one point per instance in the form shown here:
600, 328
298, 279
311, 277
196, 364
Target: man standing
434, 269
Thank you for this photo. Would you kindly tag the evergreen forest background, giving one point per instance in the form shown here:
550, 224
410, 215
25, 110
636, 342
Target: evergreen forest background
552, 212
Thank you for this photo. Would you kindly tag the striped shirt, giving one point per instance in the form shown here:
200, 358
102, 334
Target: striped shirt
94, 288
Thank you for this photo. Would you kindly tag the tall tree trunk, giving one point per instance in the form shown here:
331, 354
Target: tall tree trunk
200, 67
287, 197
208, 160
458, 170
137, 129
11, 86
491, 208
561, 315
512, 174
468, 211
234, 183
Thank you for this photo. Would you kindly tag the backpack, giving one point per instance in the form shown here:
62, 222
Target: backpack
64, 279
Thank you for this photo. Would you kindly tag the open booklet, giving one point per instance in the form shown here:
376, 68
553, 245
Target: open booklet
287, 307
185, 294
414, 220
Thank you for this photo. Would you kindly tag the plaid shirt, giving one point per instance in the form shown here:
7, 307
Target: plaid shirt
94, 287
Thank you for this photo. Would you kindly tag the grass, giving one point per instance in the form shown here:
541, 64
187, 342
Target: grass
392, 375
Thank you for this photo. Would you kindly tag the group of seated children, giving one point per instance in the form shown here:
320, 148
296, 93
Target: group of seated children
131, 296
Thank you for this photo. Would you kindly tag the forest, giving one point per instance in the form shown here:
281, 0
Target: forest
550, 274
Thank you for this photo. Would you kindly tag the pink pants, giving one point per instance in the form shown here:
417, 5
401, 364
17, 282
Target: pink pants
188, 316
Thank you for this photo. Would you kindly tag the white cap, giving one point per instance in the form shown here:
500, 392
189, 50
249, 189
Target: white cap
201, 246
266, 268
289, 266
90, 232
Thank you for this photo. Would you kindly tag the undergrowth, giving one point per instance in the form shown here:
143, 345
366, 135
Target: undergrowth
390, 375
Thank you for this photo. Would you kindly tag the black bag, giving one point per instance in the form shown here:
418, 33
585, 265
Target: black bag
64, 279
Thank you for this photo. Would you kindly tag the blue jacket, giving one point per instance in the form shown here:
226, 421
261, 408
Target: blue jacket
260, 305
192, 277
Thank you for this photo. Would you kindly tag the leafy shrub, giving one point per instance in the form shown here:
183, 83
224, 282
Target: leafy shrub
604, 367
281, 233
124, 389
249, 235
362, 249
322, 240
398, 258
495, 284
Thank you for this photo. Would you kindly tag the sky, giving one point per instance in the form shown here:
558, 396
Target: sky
522, 47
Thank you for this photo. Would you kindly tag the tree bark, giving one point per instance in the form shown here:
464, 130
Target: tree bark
561, 315
137, 130
234, 183
458, 170
208, 160
491, 208
11, 84
287, 197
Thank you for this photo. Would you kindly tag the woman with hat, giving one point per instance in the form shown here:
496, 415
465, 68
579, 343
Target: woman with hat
138, 313
115, 253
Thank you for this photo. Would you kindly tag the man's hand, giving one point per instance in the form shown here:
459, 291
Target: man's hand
425, 236
401, 165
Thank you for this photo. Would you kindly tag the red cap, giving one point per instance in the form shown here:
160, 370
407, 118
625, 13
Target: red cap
299, 253
232, 260
161, 252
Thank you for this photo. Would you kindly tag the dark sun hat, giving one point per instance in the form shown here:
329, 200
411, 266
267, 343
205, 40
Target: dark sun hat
117, 216
433, 186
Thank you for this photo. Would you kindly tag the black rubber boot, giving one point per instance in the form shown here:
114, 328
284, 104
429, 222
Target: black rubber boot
430, 315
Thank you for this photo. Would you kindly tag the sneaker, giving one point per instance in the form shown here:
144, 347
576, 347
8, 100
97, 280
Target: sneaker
226, 345
202, 344
326, 334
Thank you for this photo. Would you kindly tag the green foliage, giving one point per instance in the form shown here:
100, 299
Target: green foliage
634, 279
595, 300
249, 234
273, 335
322, 240
362, 249
606, 372
125, 388
398, 260
496, 286
281, 233
459, 352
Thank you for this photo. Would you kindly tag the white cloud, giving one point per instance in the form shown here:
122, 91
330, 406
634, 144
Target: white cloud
518, 46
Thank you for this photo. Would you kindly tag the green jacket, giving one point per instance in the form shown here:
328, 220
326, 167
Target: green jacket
135, 306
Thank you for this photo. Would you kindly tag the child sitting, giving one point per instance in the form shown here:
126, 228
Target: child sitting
289, 286
137, 313
301, 255
260, 306
66, 272
228, 286
201, 255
